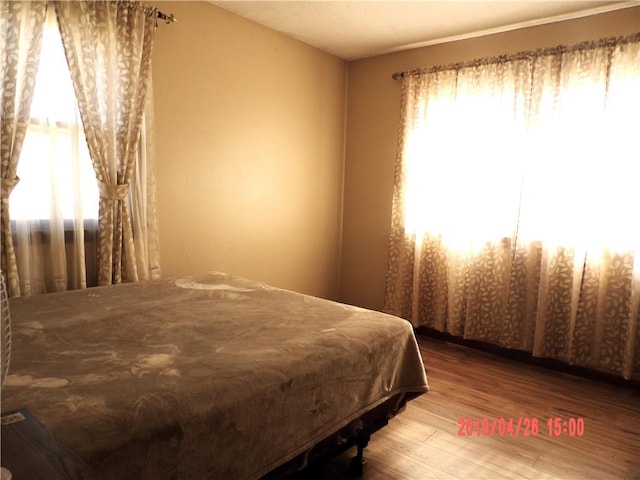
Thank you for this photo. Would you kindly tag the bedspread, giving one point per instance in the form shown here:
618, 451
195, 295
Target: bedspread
210, 376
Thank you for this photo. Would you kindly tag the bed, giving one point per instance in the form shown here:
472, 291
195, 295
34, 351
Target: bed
206, 377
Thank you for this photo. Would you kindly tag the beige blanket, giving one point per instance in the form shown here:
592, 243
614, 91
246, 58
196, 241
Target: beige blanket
203, 377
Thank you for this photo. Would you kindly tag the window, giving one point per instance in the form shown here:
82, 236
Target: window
490, 157
57, 179
54, 207
515, 213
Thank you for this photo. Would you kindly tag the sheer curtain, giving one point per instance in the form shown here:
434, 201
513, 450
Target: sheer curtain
515, 203
57, 196
21, 26
108, 47
143, 199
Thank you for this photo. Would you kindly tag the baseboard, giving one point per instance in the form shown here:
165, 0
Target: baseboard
528, 358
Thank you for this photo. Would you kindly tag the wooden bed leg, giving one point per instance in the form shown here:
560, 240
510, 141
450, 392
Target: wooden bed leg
356, 466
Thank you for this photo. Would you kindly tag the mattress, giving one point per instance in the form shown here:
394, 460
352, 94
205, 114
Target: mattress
202, 377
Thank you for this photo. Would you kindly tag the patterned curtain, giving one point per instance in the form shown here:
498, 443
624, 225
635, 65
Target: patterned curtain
515, 203
108, 47
21, 25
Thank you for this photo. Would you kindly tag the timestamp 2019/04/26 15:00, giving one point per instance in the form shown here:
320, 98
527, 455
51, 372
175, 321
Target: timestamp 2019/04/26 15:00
520, 427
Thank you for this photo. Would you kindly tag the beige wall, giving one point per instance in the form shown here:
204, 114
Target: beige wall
250, 139
373, 110
250, 150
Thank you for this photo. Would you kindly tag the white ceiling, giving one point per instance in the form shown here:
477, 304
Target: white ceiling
356, 29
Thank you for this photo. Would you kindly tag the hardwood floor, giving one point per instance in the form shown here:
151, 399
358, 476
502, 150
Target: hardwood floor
423, 442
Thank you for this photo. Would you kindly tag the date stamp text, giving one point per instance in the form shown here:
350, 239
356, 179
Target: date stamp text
520, 427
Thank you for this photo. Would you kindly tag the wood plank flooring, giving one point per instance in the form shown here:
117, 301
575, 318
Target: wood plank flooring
423, 442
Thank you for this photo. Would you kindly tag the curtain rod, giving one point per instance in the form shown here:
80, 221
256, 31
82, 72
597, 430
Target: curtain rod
604, 42
167, 18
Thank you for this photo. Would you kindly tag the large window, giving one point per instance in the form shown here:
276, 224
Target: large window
515, 215
491, 155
